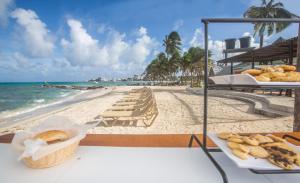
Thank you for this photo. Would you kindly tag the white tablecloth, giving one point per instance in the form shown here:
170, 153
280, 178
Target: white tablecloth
132, 165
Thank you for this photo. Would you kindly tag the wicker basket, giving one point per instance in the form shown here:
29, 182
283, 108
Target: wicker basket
52, 159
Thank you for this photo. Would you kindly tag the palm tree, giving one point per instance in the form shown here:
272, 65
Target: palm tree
184, 65
268, 9
172, 43
158, 68
197, 57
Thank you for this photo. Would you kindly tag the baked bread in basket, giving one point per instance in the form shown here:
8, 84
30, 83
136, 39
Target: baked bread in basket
49, 144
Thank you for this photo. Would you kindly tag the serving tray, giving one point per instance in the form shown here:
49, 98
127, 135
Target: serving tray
246, 79
251, 162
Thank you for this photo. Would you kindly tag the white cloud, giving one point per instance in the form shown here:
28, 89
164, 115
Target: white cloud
115, 52
82, 49
252, 43
5, 6
177, 24
197, 39
215, 46
35, 37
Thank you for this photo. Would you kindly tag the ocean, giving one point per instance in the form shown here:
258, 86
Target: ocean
23, 97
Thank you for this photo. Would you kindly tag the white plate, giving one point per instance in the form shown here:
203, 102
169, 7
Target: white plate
251, 162
246, 79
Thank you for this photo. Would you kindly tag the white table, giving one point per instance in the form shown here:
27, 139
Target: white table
132, 165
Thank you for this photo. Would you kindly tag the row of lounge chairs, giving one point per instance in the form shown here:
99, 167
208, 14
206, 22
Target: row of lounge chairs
137, 106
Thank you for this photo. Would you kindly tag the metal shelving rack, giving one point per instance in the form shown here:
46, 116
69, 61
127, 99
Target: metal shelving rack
207, 86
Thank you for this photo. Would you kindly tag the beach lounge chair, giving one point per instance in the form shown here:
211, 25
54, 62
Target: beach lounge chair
145, 112
139, 90
136, 98
137, 95
134, 106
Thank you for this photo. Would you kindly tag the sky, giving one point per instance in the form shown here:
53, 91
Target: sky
76, 40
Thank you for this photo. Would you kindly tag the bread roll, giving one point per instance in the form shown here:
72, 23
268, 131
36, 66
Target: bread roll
52, 136
253, 72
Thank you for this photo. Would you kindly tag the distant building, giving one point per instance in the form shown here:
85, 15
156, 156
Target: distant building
135, 77
99, 79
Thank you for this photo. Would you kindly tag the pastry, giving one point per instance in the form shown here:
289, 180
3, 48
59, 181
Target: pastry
292, 73
277, 74
268, 69
233, 145
240, 154
290, 154
224, 135
280, 162
262, 78
288, 68
276, 139
266, 74
52, 136
278, 69
235, 139
262, 139
253, 72
258, 152
279, 145
297, 161
250, 141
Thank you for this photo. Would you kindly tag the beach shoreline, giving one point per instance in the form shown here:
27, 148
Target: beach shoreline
179, 112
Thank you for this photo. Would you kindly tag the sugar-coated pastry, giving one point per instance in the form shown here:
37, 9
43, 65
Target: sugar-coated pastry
277, 74
278, 69
268, 69
253, 72
288, 68
262, 78
266, 74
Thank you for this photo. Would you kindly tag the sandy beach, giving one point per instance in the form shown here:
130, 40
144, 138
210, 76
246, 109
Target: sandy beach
180, 112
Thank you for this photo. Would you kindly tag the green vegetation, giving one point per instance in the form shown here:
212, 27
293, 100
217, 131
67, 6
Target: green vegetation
167, 65
268, 9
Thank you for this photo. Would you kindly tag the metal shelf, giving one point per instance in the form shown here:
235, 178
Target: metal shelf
255, 86
203, 145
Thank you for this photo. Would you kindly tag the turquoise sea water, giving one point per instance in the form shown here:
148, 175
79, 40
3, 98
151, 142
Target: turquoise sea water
28, 95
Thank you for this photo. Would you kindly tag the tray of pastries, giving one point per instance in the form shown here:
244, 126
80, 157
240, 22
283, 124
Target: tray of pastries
270, 75
257, 151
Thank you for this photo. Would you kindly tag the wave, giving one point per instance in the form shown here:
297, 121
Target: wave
39, 101
11, 113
